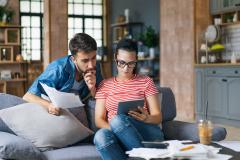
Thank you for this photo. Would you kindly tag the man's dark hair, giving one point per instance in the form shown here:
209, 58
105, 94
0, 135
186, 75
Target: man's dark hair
127, 45
82, 42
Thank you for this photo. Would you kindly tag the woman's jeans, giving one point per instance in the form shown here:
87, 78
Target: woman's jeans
126, 133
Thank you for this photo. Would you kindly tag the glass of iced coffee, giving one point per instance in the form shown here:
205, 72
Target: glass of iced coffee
205, 131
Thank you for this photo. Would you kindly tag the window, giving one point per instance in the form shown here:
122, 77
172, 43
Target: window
86, 16
31, 17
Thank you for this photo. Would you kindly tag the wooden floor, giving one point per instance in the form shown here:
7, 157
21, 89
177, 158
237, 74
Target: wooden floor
233, 133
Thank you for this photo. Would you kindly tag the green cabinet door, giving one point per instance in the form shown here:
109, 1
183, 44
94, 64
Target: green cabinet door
216, 91
234, 98
199, 91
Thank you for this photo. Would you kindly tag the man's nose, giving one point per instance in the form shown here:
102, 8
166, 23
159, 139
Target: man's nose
91, 64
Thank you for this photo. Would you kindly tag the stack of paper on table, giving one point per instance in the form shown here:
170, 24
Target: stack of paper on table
198, 152
234, 145
62, 99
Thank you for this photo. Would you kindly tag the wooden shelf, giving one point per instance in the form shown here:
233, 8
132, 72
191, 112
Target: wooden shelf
13, 62
10, 26
148, 59
3, 44
126, 24
14, 80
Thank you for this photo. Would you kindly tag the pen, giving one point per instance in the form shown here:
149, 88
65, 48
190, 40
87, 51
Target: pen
186, 148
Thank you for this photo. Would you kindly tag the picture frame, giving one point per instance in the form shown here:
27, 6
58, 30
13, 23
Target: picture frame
6, 53
12, 36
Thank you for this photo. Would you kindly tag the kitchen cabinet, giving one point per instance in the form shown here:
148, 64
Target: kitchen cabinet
215, 6
219, 89
219, 6
234, 98
230, 5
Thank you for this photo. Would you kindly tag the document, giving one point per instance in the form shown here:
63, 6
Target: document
234, 145
62, 99
177, 149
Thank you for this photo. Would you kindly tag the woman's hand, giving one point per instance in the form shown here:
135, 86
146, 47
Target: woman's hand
53, 110
141, 114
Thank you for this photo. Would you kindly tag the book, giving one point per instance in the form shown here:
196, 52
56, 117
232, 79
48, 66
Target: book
62, 99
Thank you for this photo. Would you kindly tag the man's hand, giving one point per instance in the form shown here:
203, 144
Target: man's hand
90, 79
53, 110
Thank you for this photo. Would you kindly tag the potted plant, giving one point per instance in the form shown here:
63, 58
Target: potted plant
150, 39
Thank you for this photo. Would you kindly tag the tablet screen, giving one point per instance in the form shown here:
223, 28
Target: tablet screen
124, 107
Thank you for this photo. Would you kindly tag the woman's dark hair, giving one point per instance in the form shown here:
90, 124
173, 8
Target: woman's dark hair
82, 42
127, 45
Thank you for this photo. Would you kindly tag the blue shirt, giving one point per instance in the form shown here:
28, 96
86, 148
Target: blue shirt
60, 74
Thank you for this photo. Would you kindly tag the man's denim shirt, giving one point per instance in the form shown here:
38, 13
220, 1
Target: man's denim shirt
60, 74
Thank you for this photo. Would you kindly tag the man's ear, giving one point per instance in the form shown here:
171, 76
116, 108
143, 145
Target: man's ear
73, 59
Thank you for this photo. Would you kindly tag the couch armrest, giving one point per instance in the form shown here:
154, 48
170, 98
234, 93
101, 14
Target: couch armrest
189, 131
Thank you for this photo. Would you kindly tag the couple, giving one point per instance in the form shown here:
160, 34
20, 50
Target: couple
80, 73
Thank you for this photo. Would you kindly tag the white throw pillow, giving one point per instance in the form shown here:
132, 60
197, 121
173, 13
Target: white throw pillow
44, 130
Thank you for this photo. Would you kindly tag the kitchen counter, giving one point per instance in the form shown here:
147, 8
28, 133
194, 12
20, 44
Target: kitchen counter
217, 65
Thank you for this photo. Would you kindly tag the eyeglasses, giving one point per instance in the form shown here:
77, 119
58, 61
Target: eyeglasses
122, 64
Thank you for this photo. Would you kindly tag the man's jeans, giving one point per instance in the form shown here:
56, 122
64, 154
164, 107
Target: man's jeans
126, 133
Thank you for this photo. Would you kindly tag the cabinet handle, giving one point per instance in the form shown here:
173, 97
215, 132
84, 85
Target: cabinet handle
224, 80
214, 72
236, 72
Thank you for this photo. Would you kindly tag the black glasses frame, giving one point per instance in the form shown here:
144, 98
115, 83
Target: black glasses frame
122, 64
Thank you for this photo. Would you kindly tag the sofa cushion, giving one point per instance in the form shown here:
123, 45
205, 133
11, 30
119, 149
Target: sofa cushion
80, 114
31, 121
14, 147
8, 100
80, 152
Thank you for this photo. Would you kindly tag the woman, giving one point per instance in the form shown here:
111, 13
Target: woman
120, 133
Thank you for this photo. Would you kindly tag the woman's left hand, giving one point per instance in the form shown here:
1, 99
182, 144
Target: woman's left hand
141, 114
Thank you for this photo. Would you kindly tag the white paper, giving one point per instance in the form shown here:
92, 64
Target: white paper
199, 152
62, 99
148, 153
234, 145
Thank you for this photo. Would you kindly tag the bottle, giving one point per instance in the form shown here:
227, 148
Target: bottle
126, 13
233, 58
4, 54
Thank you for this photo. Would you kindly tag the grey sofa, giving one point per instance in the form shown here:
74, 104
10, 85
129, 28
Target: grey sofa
86, 151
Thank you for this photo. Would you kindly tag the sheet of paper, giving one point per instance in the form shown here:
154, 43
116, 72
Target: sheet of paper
200, 152
234, 145
62, 99
148, 153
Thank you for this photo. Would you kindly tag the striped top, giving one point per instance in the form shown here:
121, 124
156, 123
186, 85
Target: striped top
139, 87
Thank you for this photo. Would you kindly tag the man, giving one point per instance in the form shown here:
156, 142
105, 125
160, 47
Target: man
78, 73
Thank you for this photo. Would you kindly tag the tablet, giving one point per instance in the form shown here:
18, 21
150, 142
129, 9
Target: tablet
152, 144
124, 107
